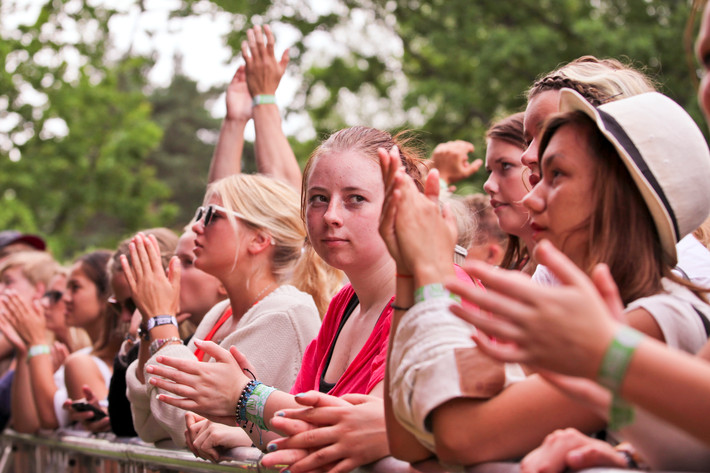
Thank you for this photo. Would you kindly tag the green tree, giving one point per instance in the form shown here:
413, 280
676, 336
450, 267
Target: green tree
79, 129
450, 67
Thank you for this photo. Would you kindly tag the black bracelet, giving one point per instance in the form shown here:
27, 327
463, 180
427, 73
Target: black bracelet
403, 309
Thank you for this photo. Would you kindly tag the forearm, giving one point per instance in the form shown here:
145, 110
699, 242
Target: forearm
24, 412
402, 444
686, 386
274, 156
43, 390
227, 157
470, 431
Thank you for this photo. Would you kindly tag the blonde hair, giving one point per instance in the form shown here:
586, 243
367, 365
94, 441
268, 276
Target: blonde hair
167, 241
466, 223
597, 80
702, 233
272, 206
37, 266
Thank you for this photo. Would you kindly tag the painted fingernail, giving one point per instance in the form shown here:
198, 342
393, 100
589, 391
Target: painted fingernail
272, 447
300, 395
281, 414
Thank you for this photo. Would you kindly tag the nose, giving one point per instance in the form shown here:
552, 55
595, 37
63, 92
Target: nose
704, 95
333, 214
529, 159
491, 185
535, 199
198, 227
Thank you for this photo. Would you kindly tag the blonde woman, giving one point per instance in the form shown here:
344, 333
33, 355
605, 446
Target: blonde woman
249, 235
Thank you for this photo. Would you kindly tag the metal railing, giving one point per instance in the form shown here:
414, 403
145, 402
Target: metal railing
75, 452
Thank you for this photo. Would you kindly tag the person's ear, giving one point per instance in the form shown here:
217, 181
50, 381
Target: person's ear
259, 242
495, 254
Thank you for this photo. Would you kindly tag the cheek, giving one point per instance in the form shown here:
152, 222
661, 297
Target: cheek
704, 95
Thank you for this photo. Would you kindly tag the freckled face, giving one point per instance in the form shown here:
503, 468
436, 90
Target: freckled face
540, 107
344, 197
506, 187
560, 204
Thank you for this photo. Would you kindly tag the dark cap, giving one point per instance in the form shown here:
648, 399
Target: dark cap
9, 237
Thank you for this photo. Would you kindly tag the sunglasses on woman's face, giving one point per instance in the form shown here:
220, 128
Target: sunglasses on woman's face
128, 305
52, 297
209, 212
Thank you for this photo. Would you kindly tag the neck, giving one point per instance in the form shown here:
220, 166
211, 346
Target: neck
93, 329
374, 288
243, 294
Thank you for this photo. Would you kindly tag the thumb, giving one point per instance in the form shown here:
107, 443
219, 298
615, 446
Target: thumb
356, 398
88, 393
284, 59
174, 273
432, 186
471, 168
604, 282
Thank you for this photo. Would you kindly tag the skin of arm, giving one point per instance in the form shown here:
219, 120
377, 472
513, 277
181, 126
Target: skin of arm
274, 156
81, 370
227, 157
402, 444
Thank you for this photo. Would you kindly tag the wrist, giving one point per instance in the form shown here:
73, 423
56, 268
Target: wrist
425, 274
263, 99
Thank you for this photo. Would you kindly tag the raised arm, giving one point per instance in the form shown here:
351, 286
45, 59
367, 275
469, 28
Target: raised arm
227, 157
274, 156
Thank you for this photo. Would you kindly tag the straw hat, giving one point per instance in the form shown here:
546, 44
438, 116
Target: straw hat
665, 153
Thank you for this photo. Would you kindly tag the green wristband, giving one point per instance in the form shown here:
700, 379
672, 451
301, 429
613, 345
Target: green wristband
38, 350
617, 357
263, 99
434, 291
256, 403
621, 413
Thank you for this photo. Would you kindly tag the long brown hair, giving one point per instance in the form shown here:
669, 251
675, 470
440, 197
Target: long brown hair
510, 130
636, 263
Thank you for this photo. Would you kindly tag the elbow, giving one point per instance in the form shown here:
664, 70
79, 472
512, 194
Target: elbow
453, 450
402, 450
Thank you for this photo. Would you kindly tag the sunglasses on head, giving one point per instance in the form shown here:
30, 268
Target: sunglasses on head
128, 305
53, 296
208, 213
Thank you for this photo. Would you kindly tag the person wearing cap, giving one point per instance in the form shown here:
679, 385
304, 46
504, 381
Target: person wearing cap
590, 166
12, 241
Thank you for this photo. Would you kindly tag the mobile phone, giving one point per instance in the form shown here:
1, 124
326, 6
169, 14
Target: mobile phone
84, 406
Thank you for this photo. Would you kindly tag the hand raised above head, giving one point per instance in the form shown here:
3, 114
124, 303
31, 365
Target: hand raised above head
239, 100
263, 70
451, 159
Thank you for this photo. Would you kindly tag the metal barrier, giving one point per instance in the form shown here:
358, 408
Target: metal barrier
75, 452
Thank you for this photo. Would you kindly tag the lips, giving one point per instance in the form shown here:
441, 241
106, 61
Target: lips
537, 229
495, 204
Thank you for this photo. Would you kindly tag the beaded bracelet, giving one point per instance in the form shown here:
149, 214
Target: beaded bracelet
255, 404
38, 350
159, 343
240, 411
433, 291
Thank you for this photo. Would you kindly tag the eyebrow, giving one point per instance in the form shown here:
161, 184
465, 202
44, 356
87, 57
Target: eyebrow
346, 189
548, 160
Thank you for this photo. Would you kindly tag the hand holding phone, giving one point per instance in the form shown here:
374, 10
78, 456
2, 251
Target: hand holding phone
80, 406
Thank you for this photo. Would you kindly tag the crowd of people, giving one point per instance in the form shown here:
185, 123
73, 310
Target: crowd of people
378, 313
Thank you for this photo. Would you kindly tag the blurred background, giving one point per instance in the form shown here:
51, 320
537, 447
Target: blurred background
109, 109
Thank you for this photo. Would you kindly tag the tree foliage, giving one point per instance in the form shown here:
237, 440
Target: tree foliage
79, 128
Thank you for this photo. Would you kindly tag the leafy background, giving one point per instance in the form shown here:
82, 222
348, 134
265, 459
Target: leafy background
91, 151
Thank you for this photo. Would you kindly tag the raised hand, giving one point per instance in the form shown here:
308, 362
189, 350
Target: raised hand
154, 292
210, 389
332, 434
27, 319
263, 70
238, 97
451, 159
